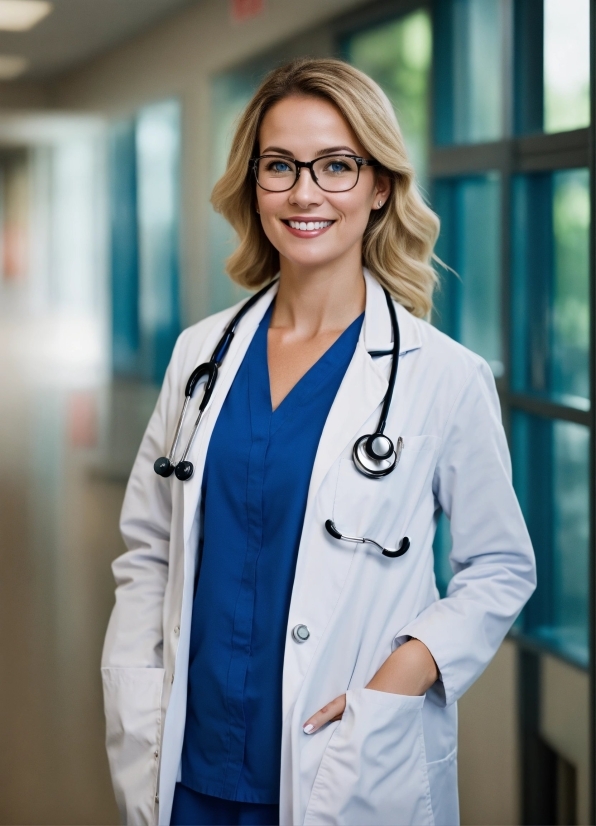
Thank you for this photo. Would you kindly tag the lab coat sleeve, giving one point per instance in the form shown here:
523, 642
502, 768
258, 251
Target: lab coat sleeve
134, 637
492, 557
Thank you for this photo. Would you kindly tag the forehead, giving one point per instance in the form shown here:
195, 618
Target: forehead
306, 125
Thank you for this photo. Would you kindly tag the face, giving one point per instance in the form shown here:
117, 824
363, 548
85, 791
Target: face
304, 128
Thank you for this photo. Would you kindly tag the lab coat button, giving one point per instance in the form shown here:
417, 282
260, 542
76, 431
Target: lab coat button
177, 630
156, 753
300, 633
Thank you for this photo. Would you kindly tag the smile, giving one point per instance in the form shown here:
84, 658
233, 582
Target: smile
309, 225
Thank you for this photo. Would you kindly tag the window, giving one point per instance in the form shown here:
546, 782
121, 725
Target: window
397, 54
230, 93
552, 482
515, 212
469, 82
468, 304
144, 161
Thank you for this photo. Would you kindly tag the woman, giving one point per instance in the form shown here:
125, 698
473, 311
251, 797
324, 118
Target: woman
260, 666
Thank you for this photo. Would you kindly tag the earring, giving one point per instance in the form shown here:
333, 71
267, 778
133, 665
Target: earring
380, 204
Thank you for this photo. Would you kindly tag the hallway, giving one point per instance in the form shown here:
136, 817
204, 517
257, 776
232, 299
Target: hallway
59, 532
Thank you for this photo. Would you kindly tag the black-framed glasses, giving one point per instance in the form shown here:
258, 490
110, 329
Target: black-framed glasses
332, 173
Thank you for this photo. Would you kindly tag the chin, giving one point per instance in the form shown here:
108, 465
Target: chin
310, 261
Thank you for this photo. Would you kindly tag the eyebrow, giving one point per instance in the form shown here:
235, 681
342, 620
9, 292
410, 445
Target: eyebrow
329, 151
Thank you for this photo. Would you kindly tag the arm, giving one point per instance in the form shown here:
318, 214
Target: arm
455, 638
134, 635
492, 556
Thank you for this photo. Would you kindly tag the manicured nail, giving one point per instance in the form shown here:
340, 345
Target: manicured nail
308, 729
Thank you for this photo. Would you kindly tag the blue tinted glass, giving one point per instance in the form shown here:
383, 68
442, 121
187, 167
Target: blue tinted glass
441, 551
124, 253
468, 305
158, 181
550, 299
469, 70
397, 55
551, 475
230, 93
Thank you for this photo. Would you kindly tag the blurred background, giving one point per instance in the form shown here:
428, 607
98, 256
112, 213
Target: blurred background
115, 121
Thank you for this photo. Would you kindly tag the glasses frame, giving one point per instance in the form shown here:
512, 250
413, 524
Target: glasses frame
360, 162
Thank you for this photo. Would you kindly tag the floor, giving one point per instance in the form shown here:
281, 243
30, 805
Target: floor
58, 513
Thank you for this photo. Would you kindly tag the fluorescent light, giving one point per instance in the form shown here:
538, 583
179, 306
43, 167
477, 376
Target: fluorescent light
12, 66
21, 15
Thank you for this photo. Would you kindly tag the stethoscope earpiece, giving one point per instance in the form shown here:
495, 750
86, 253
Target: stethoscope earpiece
163, 467
184, 470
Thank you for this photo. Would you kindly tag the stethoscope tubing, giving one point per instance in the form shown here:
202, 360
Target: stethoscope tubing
374, 455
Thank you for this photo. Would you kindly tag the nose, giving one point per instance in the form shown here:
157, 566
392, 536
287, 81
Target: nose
305, 192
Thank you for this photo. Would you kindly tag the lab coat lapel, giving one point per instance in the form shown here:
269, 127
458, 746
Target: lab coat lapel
230, 365
363, 388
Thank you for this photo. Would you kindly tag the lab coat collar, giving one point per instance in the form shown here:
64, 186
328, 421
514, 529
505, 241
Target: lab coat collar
377, 332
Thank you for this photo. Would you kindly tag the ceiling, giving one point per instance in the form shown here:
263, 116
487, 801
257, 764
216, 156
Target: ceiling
78, 30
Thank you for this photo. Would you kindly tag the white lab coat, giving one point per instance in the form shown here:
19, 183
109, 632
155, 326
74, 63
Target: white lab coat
392, 758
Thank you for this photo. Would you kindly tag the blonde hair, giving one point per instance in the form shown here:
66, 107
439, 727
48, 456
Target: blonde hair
399, 238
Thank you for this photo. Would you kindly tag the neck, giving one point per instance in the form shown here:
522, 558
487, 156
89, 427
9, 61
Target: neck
319, 299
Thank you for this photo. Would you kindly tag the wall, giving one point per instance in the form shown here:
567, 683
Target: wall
178, 57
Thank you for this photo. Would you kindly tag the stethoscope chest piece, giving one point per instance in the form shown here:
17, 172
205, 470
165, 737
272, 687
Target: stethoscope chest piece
375, 456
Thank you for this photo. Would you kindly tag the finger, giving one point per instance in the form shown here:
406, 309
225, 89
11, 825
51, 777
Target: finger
332, 711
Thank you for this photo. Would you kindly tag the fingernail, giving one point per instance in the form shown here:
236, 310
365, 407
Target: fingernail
308, 729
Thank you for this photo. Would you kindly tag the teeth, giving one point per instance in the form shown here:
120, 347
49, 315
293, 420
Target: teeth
309, 225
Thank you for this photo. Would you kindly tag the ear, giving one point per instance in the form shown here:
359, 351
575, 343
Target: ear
382, 189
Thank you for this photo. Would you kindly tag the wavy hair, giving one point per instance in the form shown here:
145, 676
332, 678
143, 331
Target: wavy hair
399, 238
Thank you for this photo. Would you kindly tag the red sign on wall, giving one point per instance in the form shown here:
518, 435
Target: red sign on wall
241, 10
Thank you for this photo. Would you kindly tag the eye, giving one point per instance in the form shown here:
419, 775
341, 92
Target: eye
336, 166
278, 167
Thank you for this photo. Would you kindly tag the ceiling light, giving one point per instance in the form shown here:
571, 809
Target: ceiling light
12, 66
21, 15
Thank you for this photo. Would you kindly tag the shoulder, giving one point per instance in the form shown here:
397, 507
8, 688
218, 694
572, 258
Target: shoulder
447, 352
447, 367
202, 335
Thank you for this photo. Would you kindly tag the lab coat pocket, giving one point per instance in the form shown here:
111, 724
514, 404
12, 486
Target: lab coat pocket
132, 701
373, 770
379, 508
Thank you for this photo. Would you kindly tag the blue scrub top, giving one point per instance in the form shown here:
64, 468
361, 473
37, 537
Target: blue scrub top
255, 486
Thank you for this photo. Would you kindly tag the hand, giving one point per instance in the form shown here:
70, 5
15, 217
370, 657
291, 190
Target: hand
410, 670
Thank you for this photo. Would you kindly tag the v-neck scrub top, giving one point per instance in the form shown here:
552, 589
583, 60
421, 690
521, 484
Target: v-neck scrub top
254, 492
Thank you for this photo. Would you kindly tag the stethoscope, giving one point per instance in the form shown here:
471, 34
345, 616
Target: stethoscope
374, 455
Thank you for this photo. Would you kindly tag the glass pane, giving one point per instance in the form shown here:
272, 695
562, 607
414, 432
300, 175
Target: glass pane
551, 319
551, 475
469, 61
468, 306
566, 64
397, 55
158, 181
230, 93
124, 247
441, 551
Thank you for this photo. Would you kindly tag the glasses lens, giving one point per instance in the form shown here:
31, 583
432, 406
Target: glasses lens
336, 173
276, 174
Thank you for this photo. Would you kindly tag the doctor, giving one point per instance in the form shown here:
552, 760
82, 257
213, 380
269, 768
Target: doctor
263, 663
